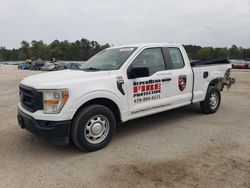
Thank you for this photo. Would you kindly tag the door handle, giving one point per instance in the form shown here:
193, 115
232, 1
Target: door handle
166, 79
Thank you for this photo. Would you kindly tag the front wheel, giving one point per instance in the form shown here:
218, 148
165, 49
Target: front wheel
212, 100
93, 127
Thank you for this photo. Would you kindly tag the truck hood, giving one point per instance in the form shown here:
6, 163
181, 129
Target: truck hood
60, 79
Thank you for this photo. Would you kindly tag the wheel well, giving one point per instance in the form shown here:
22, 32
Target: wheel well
216, 82
105, 102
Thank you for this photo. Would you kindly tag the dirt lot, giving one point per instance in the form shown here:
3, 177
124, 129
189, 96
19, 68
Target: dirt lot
179, 148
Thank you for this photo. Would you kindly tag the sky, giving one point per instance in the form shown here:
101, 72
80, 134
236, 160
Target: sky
217, 23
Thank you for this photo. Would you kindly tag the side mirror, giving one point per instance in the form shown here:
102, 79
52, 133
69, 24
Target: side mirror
138, 72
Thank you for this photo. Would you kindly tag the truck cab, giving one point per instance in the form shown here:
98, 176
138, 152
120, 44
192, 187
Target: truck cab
116, 85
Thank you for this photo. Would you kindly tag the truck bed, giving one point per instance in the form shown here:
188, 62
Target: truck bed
204, 73
210, 62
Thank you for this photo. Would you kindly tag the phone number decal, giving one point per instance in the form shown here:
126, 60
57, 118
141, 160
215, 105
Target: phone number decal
146, 99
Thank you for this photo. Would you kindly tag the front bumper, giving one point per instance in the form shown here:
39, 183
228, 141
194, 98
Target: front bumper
57, 132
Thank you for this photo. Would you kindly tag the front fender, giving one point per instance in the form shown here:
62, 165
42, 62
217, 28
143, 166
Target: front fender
94, 95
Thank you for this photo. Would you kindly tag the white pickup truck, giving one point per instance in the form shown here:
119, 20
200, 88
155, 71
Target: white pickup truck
116, 85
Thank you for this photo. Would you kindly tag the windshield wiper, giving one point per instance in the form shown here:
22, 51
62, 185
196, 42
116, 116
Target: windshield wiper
91, 69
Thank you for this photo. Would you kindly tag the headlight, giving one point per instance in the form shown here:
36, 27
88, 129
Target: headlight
54, 100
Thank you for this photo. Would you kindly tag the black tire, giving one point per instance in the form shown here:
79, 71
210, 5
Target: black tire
208, 106
82, 126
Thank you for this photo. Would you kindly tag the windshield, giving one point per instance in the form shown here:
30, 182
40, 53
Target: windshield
108, 59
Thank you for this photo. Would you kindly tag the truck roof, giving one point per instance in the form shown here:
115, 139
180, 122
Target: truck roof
141, 45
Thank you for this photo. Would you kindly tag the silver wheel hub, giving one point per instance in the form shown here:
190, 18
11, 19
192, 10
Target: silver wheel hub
214, 99
96, 129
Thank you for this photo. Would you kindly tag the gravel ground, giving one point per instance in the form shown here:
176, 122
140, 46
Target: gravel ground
178, 148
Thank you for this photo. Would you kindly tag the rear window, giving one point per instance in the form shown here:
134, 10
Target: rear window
176, 58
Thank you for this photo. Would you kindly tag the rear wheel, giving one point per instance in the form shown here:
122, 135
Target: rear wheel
93, 127
212, 101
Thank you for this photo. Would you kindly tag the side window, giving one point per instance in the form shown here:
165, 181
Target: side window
176, 58
151, 58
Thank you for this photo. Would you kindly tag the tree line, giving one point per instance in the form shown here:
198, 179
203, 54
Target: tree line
82, 50
234, 52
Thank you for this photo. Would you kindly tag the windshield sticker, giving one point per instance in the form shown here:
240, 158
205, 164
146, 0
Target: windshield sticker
126, 49
146, 90
119, 83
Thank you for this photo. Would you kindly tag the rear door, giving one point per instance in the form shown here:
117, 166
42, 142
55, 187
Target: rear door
178, 91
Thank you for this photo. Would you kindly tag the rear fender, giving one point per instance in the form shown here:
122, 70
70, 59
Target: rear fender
219, 80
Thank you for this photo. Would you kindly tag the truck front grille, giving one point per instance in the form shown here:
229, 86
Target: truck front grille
30, 98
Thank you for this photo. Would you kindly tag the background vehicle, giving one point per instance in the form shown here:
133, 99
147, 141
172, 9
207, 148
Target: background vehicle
59, 66
239, 64
23, 66
37, 65
117, 85
53, 66
48, 66
73, 66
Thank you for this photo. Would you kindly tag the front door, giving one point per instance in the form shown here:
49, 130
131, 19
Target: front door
145, 94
